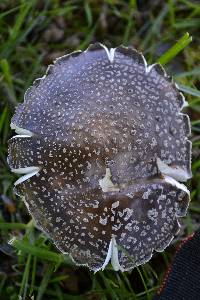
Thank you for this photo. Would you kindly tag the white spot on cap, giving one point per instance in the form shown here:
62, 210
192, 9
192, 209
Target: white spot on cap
106, 183
147, 68
173, 182
112, 255
114, 258
110, 53
25, 170
108, 257
28, 171
103, 221
175, 172
115, 204
21, 131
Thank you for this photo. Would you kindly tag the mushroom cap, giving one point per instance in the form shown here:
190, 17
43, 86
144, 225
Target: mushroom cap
103, 145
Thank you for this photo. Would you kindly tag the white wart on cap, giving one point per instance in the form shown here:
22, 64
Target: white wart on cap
102, 144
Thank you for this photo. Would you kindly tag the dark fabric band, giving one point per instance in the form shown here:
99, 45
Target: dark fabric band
182, 280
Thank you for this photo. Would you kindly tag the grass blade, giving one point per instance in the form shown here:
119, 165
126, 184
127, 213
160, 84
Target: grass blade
189, 90
45, 280
7, 226
174, 50
39, 252
24, 284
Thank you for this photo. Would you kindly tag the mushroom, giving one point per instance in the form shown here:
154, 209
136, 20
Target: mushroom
102, 146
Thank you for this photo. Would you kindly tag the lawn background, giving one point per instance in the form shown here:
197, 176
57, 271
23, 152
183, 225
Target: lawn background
32, 35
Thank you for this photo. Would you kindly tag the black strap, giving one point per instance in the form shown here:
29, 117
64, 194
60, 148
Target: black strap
182, 280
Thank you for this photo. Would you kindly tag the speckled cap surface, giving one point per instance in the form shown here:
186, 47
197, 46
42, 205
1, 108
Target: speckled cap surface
102, 146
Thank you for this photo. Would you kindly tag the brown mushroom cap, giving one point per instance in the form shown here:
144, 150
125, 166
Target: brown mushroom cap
102, 143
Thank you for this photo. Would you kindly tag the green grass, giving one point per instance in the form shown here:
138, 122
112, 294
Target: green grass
168, 33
